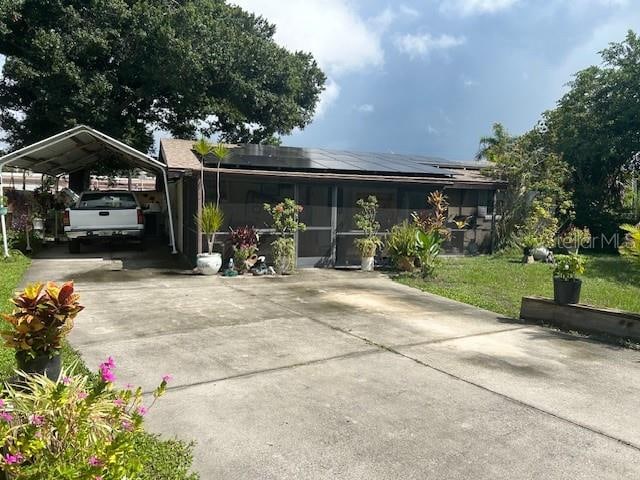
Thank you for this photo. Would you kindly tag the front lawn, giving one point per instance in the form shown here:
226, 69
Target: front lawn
498, 283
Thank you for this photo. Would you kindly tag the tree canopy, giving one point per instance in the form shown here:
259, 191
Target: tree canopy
596, 129
129, 67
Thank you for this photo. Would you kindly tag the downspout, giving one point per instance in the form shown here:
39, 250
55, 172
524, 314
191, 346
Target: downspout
168, 198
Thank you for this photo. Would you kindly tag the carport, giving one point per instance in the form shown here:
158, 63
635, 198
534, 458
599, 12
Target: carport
77, 149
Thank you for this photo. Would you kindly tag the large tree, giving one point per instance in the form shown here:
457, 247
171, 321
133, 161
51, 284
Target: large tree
128, 67
596, 129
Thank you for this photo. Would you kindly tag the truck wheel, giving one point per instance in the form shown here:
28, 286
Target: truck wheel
74, 246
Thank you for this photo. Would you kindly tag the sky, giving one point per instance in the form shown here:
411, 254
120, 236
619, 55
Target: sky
431, 76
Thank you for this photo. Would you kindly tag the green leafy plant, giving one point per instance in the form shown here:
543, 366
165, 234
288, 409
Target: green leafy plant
575, 237
402, 245
209, 222
631, 246
286, 223
568, 267
428, 246
365, 220
42, 317
539, 229
74, 427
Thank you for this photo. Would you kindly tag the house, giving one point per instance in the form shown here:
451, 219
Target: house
327, 183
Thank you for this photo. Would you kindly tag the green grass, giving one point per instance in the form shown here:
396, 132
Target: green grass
498, 283
162, 459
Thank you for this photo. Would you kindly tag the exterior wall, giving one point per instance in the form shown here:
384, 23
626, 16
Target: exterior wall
328, 213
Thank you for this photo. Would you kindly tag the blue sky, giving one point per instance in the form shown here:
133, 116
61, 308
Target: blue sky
431, 76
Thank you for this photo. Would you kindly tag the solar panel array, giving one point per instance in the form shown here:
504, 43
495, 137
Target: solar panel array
268, 157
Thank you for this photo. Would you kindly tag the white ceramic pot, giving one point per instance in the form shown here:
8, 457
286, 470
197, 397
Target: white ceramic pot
367, 264
38, 223
209, 264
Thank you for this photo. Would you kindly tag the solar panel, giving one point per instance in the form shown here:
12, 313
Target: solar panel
268, 157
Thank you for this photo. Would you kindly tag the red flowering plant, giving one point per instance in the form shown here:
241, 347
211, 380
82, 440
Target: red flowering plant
42, 317
74, 427
245, 244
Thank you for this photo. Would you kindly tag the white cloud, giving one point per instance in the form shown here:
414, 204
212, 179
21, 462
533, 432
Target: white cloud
467, 82
340, 39
471, 7
423, 44
431, 130
365, 108
328, 97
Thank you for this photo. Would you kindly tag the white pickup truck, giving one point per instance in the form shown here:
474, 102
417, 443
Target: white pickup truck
107, 215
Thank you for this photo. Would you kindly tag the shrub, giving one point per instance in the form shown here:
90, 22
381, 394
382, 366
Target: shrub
575, 237
402, 245
428, 247
568, 267
73, 427
365, 220
434, 220
631, 246
42, 317
285, 223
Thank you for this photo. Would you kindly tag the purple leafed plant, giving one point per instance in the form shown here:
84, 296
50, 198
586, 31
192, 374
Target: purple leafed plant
244, 237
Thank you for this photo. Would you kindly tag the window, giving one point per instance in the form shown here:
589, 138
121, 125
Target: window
107, 200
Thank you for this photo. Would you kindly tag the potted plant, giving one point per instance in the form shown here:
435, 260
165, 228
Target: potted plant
631, 246
529, 241
209, 222
244, 241
42, 317
402, 246
574, 238
566, 284
285, 223
365, 220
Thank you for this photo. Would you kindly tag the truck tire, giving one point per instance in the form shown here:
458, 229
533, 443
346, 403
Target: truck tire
74, 246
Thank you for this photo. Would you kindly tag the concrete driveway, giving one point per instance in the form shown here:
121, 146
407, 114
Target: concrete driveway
346, 375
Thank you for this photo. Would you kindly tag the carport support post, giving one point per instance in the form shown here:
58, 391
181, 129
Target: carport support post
5, 244
170, 211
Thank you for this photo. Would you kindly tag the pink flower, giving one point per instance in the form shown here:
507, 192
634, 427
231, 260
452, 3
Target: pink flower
167, 378
142, 410
6, 416
127, 425
98, 477
66, 380
106, 370
1, 403
119, 402
128, 386
95, 461
37, 420
82, 395
13, 459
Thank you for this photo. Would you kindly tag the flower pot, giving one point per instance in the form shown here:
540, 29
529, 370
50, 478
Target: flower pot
366, 264
405, 264
566, 292
41, 364
209, 264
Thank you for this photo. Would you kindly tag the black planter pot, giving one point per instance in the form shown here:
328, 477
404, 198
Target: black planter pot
566, 292
42, 364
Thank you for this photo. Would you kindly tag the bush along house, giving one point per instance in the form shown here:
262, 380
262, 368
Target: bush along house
327, 184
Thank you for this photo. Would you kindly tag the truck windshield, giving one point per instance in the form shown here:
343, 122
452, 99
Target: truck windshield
107, 200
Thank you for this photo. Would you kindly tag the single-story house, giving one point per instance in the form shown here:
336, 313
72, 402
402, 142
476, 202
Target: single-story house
327, 183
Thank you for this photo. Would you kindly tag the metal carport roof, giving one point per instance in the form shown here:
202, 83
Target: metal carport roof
79, 148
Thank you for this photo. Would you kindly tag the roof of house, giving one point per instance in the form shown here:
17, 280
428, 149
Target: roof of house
267, 160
